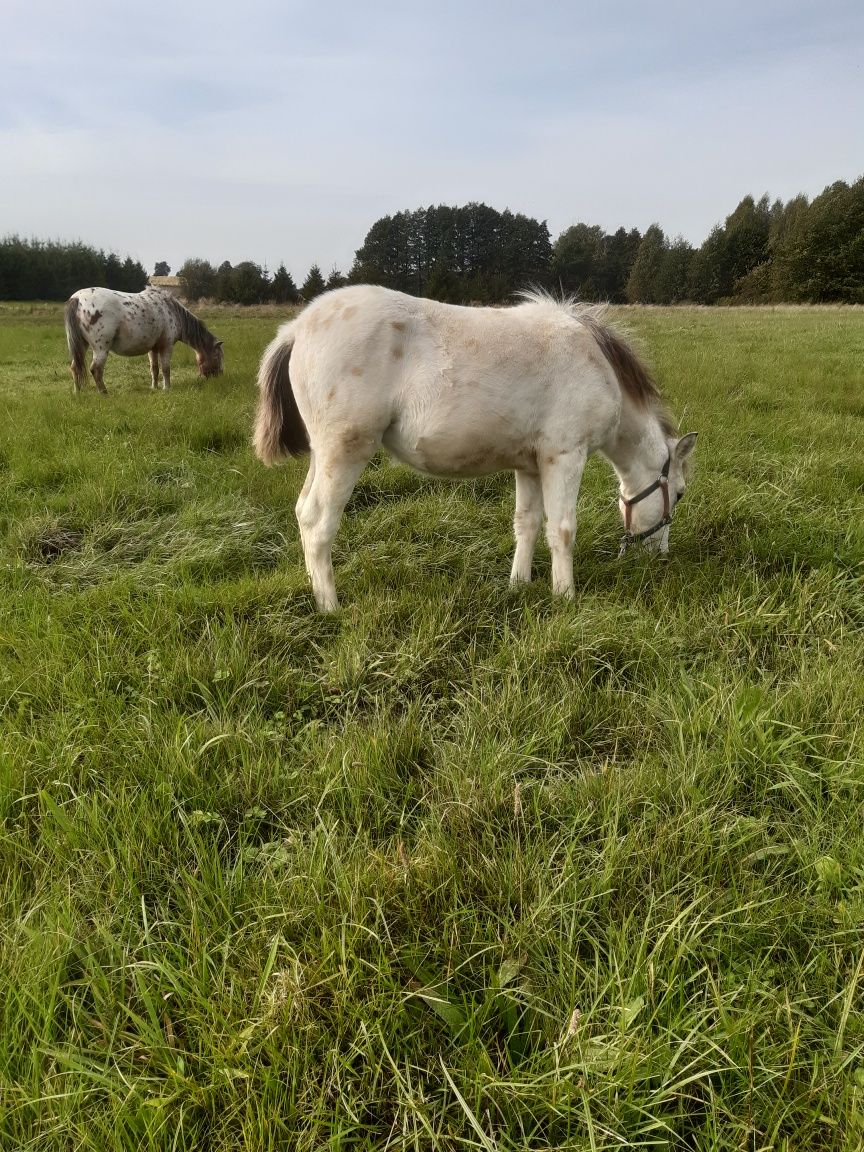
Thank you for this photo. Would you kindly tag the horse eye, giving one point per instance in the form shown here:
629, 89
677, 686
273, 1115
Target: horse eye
679, 495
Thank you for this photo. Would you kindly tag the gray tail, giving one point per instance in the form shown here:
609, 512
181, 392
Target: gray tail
75, 339
279, 427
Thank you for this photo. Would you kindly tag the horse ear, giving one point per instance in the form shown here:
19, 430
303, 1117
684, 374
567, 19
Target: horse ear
685, 446
218, 343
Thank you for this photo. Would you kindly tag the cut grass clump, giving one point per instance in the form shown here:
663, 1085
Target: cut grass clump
48, 543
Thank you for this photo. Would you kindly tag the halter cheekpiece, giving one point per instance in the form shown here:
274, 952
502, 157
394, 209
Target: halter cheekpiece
662, 482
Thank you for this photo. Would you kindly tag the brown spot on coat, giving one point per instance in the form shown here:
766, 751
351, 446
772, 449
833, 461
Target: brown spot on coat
355, 442
398, 325
398, 353
350, 310
356, 370
97, 315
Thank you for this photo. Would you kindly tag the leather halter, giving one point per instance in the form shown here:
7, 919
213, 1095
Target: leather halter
662, 482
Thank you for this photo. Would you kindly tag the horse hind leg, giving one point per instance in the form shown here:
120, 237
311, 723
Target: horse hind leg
304, 491
165, 361
526, 524
153, 357
79, 375
330, 482
97, 370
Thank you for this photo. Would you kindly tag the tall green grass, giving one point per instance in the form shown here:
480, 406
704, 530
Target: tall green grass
460, 867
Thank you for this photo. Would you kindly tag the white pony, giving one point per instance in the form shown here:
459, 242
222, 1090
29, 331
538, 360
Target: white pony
132, 323
453, 391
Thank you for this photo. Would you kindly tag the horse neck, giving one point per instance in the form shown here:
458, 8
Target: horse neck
638, 448
192, 331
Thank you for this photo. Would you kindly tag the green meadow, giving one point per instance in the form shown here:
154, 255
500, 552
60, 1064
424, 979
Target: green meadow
460, 866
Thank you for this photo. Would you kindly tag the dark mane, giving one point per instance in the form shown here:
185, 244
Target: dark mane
633, 377
192, 331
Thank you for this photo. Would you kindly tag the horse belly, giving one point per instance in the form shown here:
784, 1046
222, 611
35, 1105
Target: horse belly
137, 335
467, 450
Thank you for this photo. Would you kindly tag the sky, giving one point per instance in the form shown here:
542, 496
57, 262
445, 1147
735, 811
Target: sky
272, 132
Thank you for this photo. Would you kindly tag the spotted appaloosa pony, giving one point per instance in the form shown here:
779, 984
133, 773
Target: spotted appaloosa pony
451, 391
132, 323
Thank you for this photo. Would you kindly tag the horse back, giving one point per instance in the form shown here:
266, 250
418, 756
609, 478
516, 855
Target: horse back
450, 390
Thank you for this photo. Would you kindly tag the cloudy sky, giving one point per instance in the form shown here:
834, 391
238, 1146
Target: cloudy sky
282, 130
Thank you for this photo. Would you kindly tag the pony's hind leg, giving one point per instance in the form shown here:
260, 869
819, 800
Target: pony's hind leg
97, 369
526, 524
79, 376
330, 482
561, 476
307, 484
153, 357
165, 361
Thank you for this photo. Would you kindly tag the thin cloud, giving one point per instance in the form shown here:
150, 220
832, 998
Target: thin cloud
281, 132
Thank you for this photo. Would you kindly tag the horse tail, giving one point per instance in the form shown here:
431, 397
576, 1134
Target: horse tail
279, 427
75, 338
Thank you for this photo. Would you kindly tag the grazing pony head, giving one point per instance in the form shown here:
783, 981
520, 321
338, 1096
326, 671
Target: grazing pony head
210, 363
648, 513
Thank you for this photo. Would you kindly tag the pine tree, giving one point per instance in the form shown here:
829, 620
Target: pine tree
673, 281
576, 261
644, 282
335, 279
313, 285
283, 290
114, 273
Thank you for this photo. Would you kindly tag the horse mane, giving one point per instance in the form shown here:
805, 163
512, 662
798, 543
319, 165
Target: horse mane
633, 376
192, 331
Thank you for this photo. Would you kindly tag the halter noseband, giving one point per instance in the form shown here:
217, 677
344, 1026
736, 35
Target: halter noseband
662, 482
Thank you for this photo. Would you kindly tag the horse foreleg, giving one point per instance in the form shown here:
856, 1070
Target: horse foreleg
319, 512
526, 524
153, 357
97, 369
561, 476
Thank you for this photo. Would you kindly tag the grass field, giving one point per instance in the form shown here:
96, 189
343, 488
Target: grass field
458, 867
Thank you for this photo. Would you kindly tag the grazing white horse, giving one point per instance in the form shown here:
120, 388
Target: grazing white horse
452, 391
132, 323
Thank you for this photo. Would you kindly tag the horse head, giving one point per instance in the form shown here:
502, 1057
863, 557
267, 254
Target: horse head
211, 363
648, 513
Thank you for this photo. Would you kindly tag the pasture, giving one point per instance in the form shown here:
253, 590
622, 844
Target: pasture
460, 866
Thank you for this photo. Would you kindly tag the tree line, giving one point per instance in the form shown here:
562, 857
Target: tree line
798, 252
249, 283
49, 270
764, 252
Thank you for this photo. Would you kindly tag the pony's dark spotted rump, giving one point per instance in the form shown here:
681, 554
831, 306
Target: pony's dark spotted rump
132, 324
